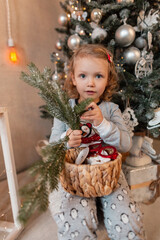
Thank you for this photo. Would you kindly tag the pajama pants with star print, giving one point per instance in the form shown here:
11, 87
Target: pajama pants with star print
77, 216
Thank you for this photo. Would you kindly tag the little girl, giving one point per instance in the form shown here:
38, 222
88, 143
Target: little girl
93, 75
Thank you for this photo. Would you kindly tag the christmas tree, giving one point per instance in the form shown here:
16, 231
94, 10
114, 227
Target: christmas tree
130, 30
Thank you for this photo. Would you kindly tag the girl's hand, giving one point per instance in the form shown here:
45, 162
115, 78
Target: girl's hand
93, 114
74, 137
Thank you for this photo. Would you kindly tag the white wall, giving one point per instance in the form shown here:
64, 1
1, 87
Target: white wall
33, 24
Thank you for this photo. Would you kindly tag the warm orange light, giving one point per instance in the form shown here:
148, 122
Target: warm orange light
13, 55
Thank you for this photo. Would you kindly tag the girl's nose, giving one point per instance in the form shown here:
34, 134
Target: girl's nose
91, 81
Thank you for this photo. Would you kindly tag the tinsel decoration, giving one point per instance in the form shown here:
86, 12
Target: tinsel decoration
47, 172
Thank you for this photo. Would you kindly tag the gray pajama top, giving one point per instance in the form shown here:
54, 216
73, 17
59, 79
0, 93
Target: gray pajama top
112, 129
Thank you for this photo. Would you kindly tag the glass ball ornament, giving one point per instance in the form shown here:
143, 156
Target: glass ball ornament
63, 19
56, 77
131, 55
140, 42
125, 35
74, 42
96, 15
59, 45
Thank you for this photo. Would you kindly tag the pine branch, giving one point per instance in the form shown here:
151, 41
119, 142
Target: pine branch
47, 172
47, 177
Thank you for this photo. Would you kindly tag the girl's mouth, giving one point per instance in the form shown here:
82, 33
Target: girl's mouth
90, 92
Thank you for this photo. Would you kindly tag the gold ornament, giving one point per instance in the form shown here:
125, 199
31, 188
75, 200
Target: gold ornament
96, 15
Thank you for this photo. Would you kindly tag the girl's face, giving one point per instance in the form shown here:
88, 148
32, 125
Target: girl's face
90, 77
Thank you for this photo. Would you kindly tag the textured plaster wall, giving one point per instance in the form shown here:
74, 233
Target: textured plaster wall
33, 24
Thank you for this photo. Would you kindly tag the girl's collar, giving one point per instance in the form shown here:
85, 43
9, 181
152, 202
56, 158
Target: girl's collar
76, 101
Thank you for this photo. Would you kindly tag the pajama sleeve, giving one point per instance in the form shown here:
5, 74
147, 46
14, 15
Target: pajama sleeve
112, 129
57, 130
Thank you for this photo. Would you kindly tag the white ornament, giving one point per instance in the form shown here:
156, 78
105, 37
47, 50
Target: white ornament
130, 120
131, 55
155, 122
147, 147
79, 15
98, 32
125, 35
143, 66
147, 22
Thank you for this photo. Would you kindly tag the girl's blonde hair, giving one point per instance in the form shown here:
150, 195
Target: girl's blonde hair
97, 51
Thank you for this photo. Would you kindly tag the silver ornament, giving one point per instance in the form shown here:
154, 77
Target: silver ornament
143, 66
63, 19
125, 35
131, 55
59, 45
55, 77
74, 42
140, 42
96, 15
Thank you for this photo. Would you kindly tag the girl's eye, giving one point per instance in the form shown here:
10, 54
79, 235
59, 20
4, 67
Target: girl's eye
82, 75
99, 76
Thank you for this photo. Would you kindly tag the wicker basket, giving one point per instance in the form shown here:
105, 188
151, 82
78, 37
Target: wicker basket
89, 180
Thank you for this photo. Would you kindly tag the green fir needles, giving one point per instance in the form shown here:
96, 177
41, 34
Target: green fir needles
46, 171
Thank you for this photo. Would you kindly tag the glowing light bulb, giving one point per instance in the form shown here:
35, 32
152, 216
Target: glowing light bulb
13, 55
